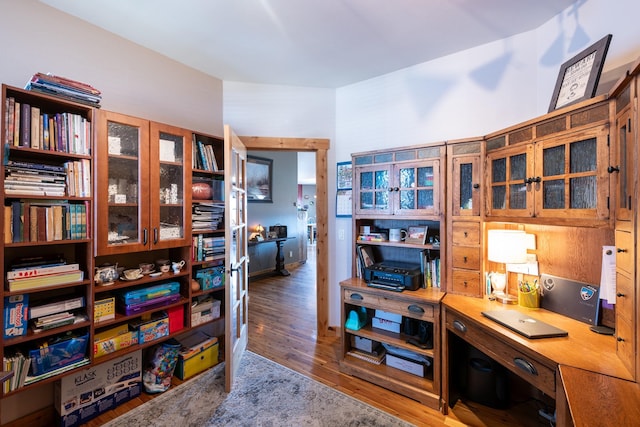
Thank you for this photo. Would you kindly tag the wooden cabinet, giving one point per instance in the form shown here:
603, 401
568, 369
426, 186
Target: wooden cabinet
47, 199
555, 170
404, 182
422, 305
464, 234
143, 185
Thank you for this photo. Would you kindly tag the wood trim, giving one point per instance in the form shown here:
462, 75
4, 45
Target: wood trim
320, 146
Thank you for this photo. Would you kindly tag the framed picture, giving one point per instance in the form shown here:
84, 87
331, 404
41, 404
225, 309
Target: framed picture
259, 179
579, 76
417, 234
272, 235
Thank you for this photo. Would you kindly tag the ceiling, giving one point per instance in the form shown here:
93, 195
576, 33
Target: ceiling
314, 43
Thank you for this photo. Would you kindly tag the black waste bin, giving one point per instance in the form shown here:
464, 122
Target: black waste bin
487, 381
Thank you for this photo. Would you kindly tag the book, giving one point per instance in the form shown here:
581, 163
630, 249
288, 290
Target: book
35, 127
25, 125
37, 311
16, 123
8, 230
45, 280
375, 358
23, 273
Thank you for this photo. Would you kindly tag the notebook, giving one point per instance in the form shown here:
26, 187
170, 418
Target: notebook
524, 324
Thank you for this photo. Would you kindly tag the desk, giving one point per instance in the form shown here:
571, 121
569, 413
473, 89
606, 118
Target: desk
280, 269
535, 361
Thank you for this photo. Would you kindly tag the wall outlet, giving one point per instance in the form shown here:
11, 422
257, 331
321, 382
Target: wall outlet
341, 234
290, 254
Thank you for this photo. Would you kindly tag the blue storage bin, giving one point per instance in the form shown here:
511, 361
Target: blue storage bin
140, 295
211, 277
58, 355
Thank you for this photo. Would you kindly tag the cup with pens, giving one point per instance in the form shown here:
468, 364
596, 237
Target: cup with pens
528, 294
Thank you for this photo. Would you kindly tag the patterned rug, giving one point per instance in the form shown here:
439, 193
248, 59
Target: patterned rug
265, 394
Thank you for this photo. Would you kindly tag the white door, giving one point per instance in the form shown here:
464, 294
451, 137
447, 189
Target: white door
236, 291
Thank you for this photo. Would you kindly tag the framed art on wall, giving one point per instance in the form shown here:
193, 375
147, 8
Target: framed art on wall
259, 179
344, 183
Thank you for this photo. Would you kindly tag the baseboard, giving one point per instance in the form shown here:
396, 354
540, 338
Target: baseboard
42, 418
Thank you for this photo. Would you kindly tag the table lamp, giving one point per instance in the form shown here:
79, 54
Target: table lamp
505, 247
259, 230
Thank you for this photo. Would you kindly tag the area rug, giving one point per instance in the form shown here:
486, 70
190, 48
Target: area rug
264, 394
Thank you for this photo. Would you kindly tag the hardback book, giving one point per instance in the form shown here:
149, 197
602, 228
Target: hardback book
35, 127
37, 311
16, 123
25, 125
23, 273
46, 280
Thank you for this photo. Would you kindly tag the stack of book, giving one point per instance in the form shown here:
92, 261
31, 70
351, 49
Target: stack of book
35, 179
65, 88
41, 272
45, 221
30, 126
204, 157
19, 365
206, 216
208, 248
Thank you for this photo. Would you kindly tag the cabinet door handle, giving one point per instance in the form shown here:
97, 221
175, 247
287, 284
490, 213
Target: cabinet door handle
619, 339
621, 251
620, 295
415, 309
476, 186
458, 325
356, 296
612, 169
525, 365
155, 235
145, 236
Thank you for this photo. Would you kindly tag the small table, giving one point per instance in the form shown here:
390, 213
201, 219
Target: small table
280, 269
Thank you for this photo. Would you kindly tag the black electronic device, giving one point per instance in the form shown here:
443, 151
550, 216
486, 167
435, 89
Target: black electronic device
393, 275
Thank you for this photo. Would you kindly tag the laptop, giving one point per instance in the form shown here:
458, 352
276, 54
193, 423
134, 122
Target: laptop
524, 324
573, 299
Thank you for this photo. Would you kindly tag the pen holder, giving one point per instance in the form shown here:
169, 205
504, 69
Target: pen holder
530, 299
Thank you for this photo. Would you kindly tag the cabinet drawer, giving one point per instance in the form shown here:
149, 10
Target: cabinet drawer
624, 251
465, 282
534, 372
466, 233
466, 257
415, 310
625, 343
361, 298
625, 296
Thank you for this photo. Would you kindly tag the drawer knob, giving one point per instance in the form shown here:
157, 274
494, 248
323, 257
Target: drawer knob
620, 295
621, 251
465, 260
458, 325
466, 234
525, 365
356, 296
620, 339
415, 309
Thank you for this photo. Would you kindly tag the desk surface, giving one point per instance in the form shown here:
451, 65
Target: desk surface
608, 402
582, 349
279, 239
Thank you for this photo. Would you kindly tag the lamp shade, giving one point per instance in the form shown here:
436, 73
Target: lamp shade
259, 228
507, 246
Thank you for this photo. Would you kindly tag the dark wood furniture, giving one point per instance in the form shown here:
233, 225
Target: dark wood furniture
280, 266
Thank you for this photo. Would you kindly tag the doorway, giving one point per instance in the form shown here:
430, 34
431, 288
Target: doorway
320, 147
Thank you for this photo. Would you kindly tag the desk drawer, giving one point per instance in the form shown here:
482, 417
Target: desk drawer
466, 257
526, 367
466, 282
466, 233
625, 255
361, 298
415, 310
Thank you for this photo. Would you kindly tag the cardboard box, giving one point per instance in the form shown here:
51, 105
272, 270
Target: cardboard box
210, 277
389, 316
385, 324
16, 315
413, 367
364, 344
88, 393
114, 339
176, 318
152, 329
104, 309
205, 311
199, 352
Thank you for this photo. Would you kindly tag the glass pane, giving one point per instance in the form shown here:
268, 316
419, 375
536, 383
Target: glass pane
407, 178
366, 200
583, 192
425, 176
553, 194
499, 170
123, 224
382, 180
518, 167
518, 196
171, 223
425, 199
553, 161
123, 139
499, 199
407, 199
466, 185
366, 180
583, 156
382, 200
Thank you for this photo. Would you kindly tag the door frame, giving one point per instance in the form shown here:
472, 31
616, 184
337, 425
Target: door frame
320, 146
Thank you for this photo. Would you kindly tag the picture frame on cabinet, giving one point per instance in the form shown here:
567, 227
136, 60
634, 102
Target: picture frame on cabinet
259, 179
578, 77
417, 234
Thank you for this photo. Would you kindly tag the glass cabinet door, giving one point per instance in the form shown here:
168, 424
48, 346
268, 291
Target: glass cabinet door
170, 159
121, 213
623, 166
466, 185
573, 175
416, 188
512, 183
374, 189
